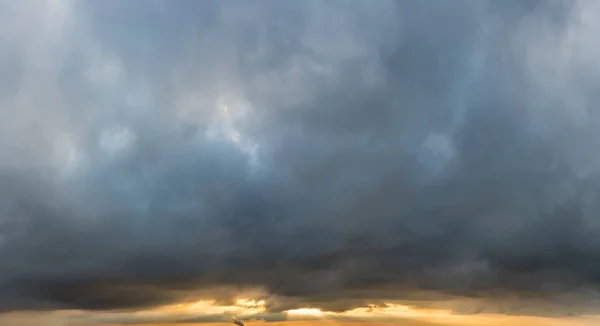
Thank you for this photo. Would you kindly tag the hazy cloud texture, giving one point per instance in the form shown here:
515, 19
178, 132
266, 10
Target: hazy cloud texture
323, 153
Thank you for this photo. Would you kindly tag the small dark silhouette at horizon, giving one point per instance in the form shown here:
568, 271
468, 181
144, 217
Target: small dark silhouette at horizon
237, 322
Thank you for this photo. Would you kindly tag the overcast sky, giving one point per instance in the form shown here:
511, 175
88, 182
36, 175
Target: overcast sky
325, 154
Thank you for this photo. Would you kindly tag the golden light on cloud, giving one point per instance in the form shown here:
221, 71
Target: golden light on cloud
251, 304
387, 311
396, 312
242, 306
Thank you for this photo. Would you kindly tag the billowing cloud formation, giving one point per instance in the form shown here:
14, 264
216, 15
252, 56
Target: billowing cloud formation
323, 153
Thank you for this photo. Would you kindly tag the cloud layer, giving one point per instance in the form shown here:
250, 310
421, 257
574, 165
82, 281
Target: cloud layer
322, 153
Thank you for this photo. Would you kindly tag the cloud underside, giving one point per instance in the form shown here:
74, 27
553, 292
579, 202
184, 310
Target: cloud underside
326, 154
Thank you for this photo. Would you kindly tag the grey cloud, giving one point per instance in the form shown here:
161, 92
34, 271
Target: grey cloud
370, 151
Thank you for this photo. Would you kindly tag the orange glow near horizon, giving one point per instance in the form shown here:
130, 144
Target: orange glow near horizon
391, 314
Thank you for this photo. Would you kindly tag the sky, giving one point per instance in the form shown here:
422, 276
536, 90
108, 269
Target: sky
315, 162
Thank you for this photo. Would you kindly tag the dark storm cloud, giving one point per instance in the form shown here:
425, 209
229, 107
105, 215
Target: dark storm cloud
330, 153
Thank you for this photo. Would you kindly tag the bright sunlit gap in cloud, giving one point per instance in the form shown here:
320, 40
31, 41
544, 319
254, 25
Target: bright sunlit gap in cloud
312, 312
386, 312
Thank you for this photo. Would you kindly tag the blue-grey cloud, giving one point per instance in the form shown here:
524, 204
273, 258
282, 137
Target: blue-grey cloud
331, 153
